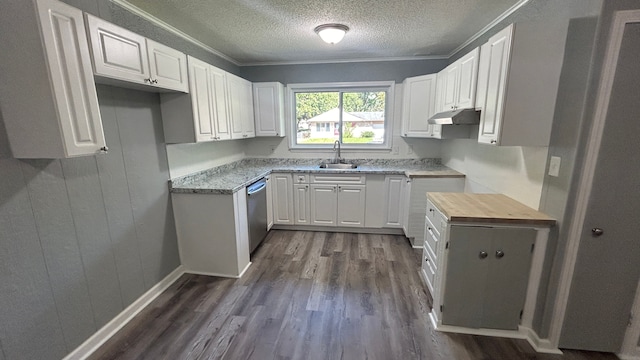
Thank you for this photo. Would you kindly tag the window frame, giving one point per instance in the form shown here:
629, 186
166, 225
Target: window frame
387, 86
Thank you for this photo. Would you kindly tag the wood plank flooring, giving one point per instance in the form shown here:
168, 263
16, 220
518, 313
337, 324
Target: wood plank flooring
309, 295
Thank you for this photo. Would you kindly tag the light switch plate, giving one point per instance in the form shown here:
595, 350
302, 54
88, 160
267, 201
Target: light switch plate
554, 166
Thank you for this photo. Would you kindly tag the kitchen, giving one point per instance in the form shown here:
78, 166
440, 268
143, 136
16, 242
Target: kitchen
84, 238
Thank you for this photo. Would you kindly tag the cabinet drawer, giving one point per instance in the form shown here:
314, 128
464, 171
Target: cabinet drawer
428, 270
337, 179
431, 239
437, 218
429, 225
300, 178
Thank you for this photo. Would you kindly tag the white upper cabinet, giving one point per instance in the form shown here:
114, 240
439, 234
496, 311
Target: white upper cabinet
521, 71
240, 104
124, 55
457, 83
51, 108
219, 103
418, 105
168, 67
268, 108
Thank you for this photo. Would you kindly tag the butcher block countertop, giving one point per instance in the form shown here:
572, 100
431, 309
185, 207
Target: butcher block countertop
487, 208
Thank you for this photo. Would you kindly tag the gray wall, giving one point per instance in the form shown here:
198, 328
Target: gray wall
343, 72
81, 239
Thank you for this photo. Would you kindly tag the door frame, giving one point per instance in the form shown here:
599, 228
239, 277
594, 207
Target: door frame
620, 19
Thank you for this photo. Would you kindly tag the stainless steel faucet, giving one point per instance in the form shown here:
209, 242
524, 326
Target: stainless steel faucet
336, 144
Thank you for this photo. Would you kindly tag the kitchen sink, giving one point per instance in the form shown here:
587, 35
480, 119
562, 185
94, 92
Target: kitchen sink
338, 166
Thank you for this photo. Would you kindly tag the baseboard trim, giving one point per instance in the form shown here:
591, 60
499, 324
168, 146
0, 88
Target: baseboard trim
539, 345
206, 273
106, 332
380, 231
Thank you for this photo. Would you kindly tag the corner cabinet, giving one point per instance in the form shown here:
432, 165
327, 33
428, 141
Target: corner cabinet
51, 108
268, 107
240, 103
203, 114
520, 72
120, 54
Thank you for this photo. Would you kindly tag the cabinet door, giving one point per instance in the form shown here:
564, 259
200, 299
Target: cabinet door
466, 89
268, 106
324, 202
220, 105
235, 90
301, 208
483, 72
451, 78
74, 91
168, 67
418, 105
406, 191
498, 54
248, 120
201, 99
118, 53
351, 205
394, 185
282, 199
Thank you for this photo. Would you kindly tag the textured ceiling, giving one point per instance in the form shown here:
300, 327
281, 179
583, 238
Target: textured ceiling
267, 31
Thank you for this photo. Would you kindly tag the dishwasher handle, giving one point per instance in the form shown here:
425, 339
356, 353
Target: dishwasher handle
256, 187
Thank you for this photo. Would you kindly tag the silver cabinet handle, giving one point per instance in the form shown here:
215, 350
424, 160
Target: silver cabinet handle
483, 255
499, 254
597, 231
494, 141
426, 259
104, 149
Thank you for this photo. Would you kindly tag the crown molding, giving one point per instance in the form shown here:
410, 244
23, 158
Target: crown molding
145, 15
338, 61
489, 26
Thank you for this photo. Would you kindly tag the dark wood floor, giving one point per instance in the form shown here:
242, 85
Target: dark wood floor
309, 295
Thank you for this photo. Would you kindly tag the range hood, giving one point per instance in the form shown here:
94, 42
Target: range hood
456, 117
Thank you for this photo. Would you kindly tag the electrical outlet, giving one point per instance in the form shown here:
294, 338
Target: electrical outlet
554, 166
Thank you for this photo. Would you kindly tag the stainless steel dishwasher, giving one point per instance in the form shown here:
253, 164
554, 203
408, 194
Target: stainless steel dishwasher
257, 212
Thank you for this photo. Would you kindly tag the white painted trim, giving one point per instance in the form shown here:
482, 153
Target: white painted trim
340, 61
106, 332
523, 332
535, 275
219, 274
166, 26
588, 169
630, 348
490, 25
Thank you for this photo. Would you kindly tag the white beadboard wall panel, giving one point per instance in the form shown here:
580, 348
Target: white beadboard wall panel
185, 159
515, 171
144, 152
117, 203
94, 242
25, 292
56, 228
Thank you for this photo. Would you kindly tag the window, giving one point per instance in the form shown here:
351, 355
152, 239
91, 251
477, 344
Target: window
356, 114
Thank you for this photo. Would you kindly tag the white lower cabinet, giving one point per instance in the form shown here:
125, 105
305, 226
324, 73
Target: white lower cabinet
324, 202
301, 204
351, 205
394, 200
282, 199
213, 233
48, 94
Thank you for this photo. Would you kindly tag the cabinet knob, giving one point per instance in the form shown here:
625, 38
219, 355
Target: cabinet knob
597, 231
104, 149
494, 141
429, 228
499, 254
483, 255
426, 259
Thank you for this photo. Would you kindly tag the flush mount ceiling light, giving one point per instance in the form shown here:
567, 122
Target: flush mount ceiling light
331, 33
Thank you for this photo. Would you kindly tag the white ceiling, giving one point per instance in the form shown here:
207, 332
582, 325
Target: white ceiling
281, 31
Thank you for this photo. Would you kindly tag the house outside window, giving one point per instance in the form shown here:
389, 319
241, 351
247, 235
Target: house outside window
356, 114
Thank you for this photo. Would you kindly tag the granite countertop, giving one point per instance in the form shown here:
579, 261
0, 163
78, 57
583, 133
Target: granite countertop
229, 178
